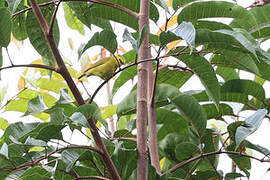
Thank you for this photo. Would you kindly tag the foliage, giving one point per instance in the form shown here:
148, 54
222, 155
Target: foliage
188, 44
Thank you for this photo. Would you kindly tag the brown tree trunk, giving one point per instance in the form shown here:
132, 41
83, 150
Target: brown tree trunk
141, 123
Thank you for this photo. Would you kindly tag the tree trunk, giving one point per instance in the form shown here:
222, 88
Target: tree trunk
143, 68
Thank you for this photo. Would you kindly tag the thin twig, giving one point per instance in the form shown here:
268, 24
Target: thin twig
53, 18
179, 165
41, 66
36, 161
9, 57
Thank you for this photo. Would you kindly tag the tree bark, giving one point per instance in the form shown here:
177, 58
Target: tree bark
143, 68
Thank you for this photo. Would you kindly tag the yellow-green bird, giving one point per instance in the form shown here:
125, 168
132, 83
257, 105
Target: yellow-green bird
104, 68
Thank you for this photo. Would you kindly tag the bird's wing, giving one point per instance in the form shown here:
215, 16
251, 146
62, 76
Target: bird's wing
100, 62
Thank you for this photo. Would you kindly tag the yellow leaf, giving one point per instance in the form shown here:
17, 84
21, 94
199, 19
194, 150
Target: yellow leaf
37, 148
162, 162
170, 23
169, 3
21, 83
173, 44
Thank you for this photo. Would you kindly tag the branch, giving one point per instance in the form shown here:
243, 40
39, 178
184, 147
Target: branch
31, 66
36, 161
53, 18
179, 165
116, 6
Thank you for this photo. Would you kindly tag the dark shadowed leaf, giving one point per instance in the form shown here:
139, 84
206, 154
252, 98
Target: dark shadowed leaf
192, 111
203, 69
5, 27
36, 173
36, 35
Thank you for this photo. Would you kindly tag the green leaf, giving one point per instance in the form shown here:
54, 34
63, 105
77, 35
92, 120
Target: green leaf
173, 76
64, 97
176, 4
243, 86
5, 27
171, 122
72, 20
211, 25
50, 131
36, 105
234, 175
227, 73
236, 60
51, 84
79, 119
109, 111
35, 173
241, 39
167, 36
4, 150
168, 145
35, 142
186, 150
36, 35
92, 11
105, 38
57, 116
216, 9
201, 67
18, 25
163, 92
69, 158
214, 113
253, 122
260, 29
81, 9
18, 130
243, 163
187, 32
256, 147
208, 143
218, 41
91, 111
192, 111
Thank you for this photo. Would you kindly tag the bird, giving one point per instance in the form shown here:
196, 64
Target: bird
104, 68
